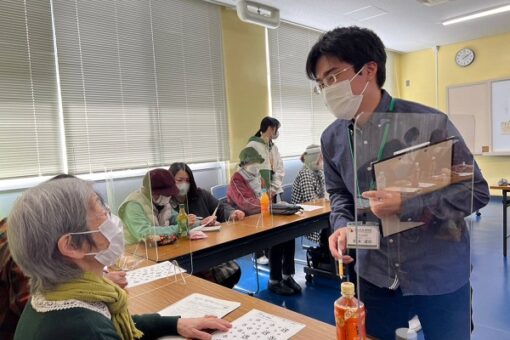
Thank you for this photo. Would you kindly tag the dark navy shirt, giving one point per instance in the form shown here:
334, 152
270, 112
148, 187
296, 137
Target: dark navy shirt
433, 258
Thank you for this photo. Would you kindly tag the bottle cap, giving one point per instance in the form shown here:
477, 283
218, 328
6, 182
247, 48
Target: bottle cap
347, 288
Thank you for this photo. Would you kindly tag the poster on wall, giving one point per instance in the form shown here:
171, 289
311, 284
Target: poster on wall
505, 128
501, 116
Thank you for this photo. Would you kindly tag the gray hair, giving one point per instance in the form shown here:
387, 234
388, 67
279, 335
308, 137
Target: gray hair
38, 219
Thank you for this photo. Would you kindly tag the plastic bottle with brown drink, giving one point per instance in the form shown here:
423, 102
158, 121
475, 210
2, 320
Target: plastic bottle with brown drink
349, 315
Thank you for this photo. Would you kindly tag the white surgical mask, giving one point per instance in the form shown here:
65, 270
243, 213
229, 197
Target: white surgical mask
183, 188
252, 169
112, 230
162, 200
340, 100
276, 135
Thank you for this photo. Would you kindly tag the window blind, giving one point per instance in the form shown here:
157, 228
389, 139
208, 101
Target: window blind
29, 135
302, 114
141, 82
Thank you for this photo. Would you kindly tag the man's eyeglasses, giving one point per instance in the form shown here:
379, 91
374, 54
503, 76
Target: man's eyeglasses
328, 80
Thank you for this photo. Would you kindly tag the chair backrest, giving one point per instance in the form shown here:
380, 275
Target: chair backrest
287, 192
219, 192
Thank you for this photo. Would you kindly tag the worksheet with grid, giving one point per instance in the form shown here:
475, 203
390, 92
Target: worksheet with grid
257, 325
152, 273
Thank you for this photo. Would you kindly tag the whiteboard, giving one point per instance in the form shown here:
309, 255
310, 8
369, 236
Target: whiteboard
469, 110
500, 115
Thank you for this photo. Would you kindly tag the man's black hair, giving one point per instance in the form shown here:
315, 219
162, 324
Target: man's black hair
353, 45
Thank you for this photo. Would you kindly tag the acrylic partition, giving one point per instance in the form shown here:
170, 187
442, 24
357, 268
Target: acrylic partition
154, 232
415, 185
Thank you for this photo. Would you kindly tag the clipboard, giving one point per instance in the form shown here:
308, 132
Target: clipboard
416, 170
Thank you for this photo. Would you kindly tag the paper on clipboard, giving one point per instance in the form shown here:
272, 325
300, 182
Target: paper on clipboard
413, 171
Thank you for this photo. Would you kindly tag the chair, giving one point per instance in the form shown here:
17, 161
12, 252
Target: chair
287, 192
220, 192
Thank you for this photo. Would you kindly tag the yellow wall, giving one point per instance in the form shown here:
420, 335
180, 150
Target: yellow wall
392, 73
491, 62
247, 95
418, 68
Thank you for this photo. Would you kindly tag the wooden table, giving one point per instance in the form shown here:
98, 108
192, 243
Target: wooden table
154, 296
237, 239
506, 203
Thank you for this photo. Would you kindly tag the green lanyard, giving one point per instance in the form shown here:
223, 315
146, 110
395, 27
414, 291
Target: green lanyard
381, 147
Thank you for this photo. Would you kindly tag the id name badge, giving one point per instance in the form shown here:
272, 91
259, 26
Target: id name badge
363, 235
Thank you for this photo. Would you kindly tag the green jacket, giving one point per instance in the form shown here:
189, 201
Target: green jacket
85, 324
139, 217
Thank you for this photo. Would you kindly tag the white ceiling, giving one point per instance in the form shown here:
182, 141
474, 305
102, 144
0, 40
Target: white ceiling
403, 25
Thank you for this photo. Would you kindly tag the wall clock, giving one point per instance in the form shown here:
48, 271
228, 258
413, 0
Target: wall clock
464, 57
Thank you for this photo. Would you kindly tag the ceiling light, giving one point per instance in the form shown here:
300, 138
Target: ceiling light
477, 15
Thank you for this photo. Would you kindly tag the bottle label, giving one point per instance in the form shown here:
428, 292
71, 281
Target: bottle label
350, 323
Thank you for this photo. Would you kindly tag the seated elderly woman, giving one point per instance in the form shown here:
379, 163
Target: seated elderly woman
309, 182
62, 237
245, 186
148, 210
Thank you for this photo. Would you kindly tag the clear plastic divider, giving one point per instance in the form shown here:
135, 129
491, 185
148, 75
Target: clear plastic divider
414, 181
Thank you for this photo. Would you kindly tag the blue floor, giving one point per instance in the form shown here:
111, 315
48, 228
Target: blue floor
490, 281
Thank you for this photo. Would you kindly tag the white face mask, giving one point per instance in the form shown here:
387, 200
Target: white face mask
252, 169
340, 100
162, 200
183, 188
276, 135
112, 230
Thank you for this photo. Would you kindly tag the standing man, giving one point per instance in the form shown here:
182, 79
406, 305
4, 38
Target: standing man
424, 270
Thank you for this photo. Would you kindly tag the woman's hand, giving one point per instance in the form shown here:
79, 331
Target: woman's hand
210, 220
237, 215
190, 328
